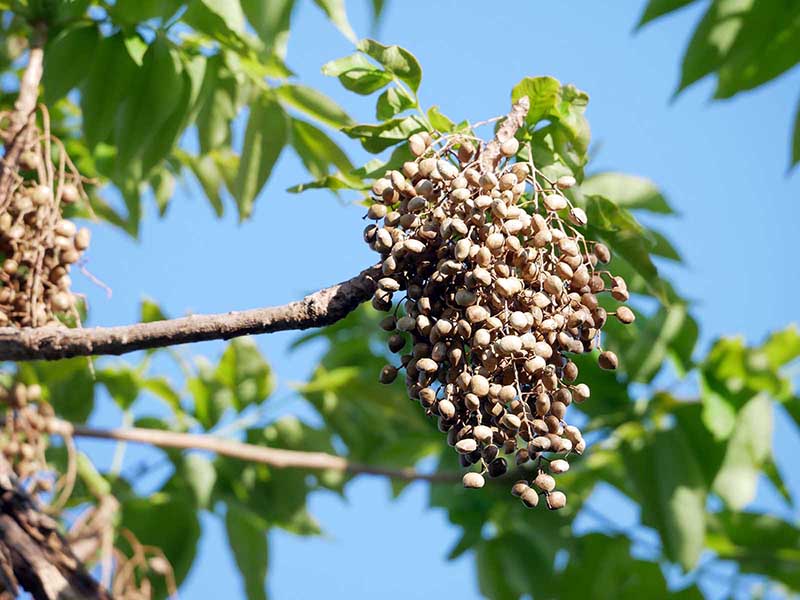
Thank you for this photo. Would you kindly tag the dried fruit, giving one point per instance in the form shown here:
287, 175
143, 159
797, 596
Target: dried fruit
500, 291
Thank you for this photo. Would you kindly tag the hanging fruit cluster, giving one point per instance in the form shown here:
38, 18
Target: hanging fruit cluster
499, 288
23, 437
38, 246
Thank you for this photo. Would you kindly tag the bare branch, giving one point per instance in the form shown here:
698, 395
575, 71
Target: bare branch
514, 120
315, 310
274, 457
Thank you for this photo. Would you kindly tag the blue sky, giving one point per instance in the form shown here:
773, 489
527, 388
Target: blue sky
722, 165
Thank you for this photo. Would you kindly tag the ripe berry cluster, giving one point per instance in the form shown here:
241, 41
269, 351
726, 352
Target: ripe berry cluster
499, 288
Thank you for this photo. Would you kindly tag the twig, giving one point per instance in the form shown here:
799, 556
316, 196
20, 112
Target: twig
315, 310
275, 457
514, 120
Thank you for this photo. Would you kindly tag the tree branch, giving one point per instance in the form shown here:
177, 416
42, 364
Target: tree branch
278, 458
513, 121
315, 310
33, 554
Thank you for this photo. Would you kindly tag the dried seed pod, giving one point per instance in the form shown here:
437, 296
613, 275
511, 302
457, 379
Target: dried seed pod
556, 500
625, 315
473, 480
530, 498
608, 360
388, 374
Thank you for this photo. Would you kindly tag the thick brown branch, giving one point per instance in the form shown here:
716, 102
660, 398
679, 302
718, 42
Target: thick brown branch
274, 457
315, 310
513, 121
35, 556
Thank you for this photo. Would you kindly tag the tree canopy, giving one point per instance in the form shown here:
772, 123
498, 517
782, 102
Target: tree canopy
145, 94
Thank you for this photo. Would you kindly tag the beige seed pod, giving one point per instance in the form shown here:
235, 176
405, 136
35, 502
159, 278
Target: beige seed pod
519, 488
602, 253
545, 482
417, 145
511, 421
479, 385
581, 392
481, 338
446, 409
559, 466
530, 498
580, 446
482, 433
556, 500
476, 314
608, 360
509, 344
565, 182
509, 147
578, 217
82, 239
42, 195
555, 202
414, 246
625, 315
65, 228
473, 480
507, 393
465, 297
466, 446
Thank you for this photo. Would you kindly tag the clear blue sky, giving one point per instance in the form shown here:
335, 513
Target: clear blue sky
722, 165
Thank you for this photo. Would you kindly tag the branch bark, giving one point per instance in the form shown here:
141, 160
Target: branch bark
278, 458
513, 121
315, 310
34, 556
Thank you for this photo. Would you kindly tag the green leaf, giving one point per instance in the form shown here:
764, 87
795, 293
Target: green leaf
782, 347
398, 61
376, 138
673, 494
542, 92
629, 191
314, 104
106, 86
439, 121
338, 16
317, 151
145, 111
247, 539
392, 102
66, 58
659, 8
719, 415
68, 386
161, 388
168, 522
357, 74
644, 358
200, 475
150, 311
626, 236
265, 136
767, 45
749, 446
212, 171
227, 10
713, 39
133, 12
271, 21
122, 383
563, 104
218, 105
243, 370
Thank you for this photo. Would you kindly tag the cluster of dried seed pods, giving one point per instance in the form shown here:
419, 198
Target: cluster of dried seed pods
23, 438
37, 245
499, 288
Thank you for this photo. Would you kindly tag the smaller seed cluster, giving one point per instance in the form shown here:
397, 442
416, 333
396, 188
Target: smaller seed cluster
23, 439
492, 287
37, 245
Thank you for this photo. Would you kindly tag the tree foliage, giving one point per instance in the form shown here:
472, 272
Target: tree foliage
168, 81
